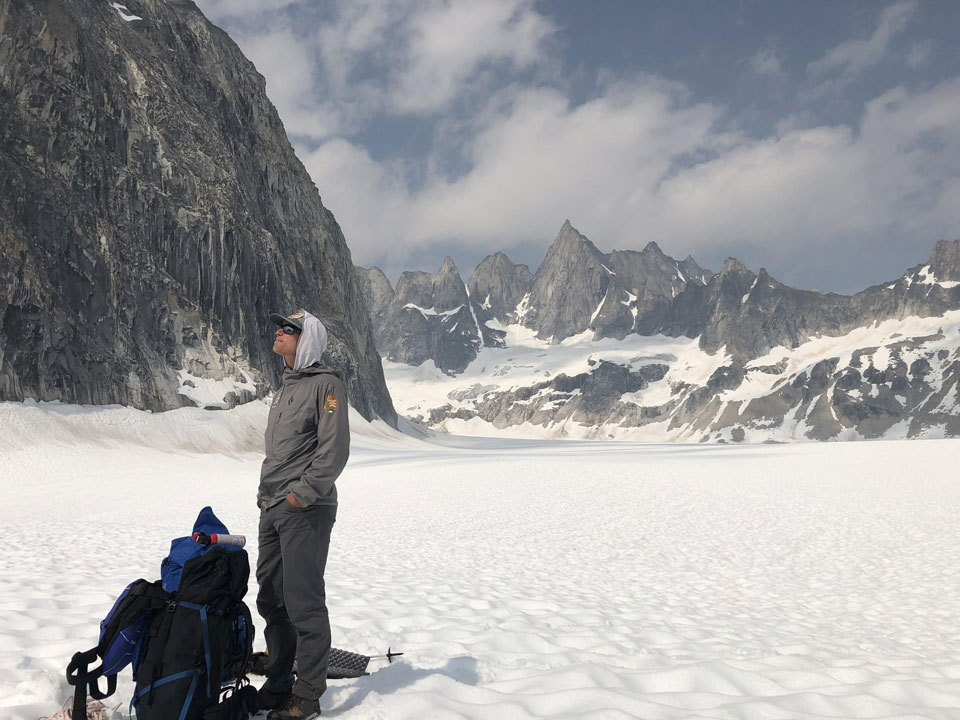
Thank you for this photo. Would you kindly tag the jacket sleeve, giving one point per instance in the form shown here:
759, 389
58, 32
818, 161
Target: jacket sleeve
333, 444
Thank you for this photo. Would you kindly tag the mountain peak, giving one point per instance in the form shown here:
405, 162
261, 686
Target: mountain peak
652, 247
734, 266
570, 240
449, 267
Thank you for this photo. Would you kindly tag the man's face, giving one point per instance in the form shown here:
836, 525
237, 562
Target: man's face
284, 343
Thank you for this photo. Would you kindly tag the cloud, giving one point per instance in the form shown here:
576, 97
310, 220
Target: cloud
641, 162
369, 58
766, 62
852, 57
450, 42
507, 154
920, 54
219, 10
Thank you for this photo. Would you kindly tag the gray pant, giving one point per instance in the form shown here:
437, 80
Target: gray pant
292, 598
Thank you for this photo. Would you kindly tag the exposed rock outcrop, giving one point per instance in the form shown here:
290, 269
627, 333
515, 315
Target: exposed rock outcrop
578, 288
497, 286
430, 318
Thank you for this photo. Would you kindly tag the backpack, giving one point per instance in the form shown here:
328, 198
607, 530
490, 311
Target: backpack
187, 636
121, 640
199, 642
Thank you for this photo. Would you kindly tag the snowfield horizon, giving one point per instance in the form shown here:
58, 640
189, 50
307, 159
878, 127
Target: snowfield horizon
525, 578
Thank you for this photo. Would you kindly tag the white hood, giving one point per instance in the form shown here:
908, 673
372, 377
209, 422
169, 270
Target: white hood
312, 342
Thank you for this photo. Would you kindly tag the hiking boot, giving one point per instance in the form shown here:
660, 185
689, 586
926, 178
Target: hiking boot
269, 700
296, 708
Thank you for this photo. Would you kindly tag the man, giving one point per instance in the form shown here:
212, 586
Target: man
307, 445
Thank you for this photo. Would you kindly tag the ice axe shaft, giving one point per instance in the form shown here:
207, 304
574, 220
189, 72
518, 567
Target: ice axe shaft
388, 657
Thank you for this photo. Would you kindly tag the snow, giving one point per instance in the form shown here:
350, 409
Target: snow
881, 358
529, 360
927, 278
210, 393
426, 312
879, 335
473, 313
525, 578
630, 303
124, 12
599, 307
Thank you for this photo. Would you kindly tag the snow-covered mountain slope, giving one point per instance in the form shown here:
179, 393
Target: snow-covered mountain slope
637, 345
895, 379
523, 579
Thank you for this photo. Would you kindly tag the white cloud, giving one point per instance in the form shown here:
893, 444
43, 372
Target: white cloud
380, 57
219, 10
450, 41
640, 160
766, 62
620, 167
371, 201
852, 57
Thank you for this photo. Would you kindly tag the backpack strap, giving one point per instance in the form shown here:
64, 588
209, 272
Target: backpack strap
248, 646
192, 674
205, 633
80, 675
141, 596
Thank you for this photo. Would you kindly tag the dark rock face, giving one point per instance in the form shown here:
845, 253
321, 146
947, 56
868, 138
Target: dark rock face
430, 318
497, 286
590, 398
567, 287
153, 214
749, 314
377, 292
944, 265
578, 288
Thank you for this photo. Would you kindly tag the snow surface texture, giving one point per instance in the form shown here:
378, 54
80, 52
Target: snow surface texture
527, 361
524, 579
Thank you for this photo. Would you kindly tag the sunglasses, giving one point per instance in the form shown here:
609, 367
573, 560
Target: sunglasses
289, 329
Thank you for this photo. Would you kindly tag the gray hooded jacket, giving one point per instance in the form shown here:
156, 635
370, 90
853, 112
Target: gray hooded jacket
308, 432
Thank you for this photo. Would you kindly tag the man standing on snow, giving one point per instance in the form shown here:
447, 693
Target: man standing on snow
307, 445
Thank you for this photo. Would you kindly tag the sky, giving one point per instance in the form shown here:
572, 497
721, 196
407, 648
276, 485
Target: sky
818, 139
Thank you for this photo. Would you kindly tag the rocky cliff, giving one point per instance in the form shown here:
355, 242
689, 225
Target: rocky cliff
579, 288
497, 286
425, 318
153, 214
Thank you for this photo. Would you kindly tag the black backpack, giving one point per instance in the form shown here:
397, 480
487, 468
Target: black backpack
199, 645
188, 637
122, 634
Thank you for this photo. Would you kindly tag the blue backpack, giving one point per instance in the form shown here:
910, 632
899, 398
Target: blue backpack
197, 604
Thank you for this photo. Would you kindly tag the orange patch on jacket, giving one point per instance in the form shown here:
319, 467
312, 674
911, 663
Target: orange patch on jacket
330, 404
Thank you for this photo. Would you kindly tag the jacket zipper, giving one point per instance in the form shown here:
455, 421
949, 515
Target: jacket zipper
273, 430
